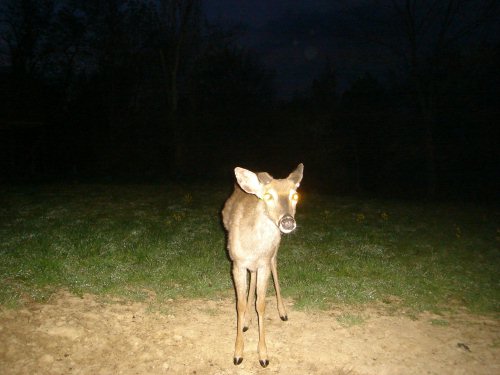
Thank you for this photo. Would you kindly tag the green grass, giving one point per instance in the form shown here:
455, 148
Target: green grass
439, 322
134, 240
349, 320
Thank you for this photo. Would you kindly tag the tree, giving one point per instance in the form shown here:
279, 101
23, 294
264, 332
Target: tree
424, 35
362, 112
24, 27
230, 79
323, 88
179, 26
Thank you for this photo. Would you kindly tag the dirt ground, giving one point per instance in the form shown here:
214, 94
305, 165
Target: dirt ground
75, 335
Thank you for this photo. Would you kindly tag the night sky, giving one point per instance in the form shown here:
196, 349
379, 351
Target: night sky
298, 38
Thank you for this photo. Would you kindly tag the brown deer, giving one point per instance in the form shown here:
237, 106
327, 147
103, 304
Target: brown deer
255, 215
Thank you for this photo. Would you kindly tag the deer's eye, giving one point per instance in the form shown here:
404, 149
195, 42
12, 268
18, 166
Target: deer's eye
268, 197
295, 197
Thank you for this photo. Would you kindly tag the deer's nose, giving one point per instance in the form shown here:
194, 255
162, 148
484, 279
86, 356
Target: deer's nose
287, 224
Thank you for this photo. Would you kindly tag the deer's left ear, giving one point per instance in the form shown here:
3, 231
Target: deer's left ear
296, 175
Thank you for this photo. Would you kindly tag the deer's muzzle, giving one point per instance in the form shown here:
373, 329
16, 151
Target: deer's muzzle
287, 224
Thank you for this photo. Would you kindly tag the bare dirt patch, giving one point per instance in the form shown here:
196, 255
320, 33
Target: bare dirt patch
86, 335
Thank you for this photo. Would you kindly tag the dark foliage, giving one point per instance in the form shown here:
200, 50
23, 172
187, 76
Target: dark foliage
145, 91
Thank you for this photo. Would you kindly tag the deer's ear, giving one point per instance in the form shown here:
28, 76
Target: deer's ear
296, 175
248, 181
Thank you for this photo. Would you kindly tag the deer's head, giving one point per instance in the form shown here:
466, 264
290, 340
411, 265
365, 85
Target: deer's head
279, 195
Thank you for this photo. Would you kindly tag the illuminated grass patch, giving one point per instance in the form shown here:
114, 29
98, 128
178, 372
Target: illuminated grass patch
168, 240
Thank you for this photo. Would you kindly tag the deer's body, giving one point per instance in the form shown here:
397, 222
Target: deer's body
258, 211
252, 237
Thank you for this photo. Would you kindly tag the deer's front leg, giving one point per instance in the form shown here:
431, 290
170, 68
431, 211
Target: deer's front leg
240, 285
262, 279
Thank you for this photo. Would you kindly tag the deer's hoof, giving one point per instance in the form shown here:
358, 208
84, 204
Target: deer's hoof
284, 318
264, 362
245, 329
237, 360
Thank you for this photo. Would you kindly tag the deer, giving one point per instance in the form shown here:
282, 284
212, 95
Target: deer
258, 211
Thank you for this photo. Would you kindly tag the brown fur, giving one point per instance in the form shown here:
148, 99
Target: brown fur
255, 215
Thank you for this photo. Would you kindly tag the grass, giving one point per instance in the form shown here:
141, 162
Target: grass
134, 240
349, 320
439, 322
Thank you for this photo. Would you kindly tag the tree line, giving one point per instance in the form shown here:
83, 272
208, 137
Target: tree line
150, 90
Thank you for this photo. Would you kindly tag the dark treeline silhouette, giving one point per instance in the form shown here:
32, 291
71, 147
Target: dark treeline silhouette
149, 91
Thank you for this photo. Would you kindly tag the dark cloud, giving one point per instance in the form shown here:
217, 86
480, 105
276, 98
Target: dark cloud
296, 38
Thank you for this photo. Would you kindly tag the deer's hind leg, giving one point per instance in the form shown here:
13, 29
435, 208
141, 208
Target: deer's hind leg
262, 279
281, 305
251, 301
240, 285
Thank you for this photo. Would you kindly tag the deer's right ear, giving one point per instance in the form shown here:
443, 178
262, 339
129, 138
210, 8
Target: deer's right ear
248, 181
